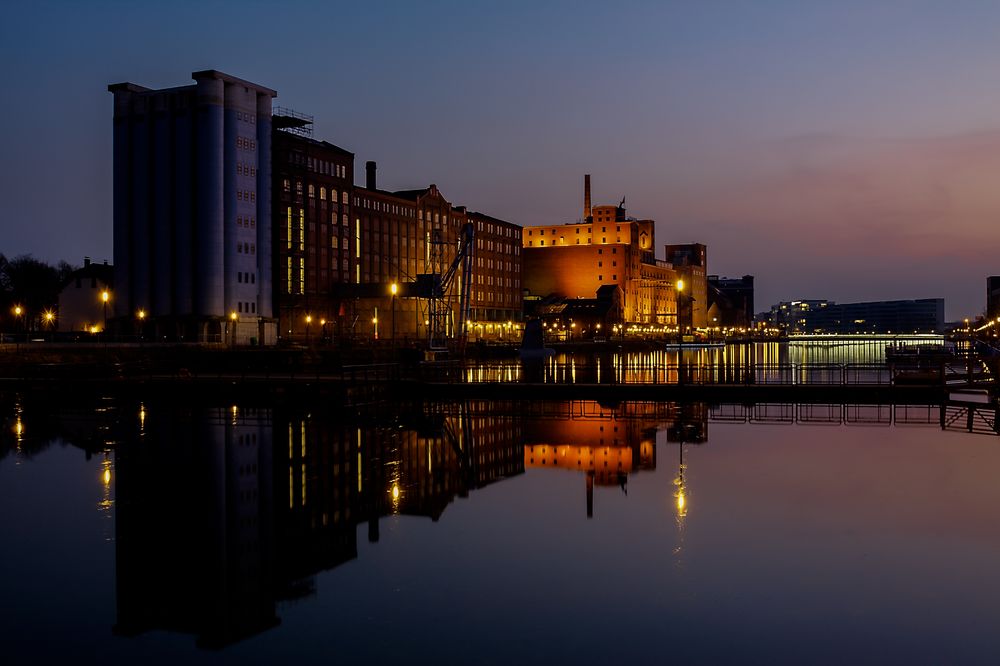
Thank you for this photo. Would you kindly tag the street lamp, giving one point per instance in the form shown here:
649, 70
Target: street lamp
141, 316
309, 320
393, 289
18, 311
233, 318
49, 317
105, 295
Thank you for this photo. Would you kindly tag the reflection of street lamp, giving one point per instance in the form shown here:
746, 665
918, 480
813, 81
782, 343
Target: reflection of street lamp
393, 289
375, 322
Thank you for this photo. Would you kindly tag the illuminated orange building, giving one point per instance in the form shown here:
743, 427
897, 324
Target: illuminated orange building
607, 248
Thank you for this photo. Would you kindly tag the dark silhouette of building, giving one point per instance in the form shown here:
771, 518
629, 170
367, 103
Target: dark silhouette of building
993, 297
730, 302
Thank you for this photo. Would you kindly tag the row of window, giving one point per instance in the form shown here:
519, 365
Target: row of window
247, 307
286, 185
541, 232
246, 117
326, 168
246, 248
248, 222
245, 169
604, 241
246, 195
246, 278
244, 143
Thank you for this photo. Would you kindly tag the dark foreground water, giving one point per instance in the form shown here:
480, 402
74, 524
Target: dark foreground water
498, 533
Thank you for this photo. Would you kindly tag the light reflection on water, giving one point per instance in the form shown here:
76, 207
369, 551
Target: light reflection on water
765, 361
272, 530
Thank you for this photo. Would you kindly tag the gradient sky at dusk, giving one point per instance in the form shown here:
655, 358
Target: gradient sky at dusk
842, 150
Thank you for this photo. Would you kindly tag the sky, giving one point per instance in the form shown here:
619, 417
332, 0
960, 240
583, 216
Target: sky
841, 150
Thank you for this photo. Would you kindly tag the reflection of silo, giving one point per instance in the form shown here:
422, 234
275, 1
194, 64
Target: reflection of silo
208, 260
194, 548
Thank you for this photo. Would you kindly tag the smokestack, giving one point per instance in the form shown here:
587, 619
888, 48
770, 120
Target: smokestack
370, 175
586, 198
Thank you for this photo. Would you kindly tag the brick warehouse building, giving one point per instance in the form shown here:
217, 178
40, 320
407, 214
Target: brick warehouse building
573, 261
340, 248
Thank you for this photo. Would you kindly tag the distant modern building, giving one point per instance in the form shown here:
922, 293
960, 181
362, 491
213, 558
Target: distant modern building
607, 248
993, 297
730, 301
192, 209
81, 305
904, 316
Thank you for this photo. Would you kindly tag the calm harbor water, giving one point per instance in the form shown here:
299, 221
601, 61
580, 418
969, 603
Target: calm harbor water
485, 532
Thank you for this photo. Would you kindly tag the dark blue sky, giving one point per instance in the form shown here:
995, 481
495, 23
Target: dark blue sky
841, 150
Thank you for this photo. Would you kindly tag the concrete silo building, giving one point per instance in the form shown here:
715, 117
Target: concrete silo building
192, 210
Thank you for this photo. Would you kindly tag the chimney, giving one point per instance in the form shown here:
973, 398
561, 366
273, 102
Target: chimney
86, 261
586, 198
370, 181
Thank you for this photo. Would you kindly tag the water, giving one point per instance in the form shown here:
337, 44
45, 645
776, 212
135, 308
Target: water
165, 532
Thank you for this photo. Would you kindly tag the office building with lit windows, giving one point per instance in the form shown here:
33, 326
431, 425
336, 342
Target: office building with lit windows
192, 210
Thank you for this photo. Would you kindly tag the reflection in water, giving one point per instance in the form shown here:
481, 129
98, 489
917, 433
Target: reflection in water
224, 513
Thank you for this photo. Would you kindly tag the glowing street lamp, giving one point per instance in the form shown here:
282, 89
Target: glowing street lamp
394, 289
233, 318
105, 297
309, 320
141, 316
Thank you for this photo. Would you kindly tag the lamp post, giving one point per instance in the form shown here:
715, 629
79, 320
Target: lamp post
309, 320
141, 316
105, 295
49, 317
322, 331
18, 311
233, 318
393, 289
680, 306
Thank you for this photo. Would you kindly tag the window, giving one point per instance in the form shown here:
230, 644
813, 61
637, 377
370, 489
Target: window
286, 185
312, 191
600, 264
322, 194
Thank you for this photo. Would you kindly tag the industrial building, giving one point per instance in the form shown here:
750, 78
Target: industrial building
575, 260
192, 209
363, 263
